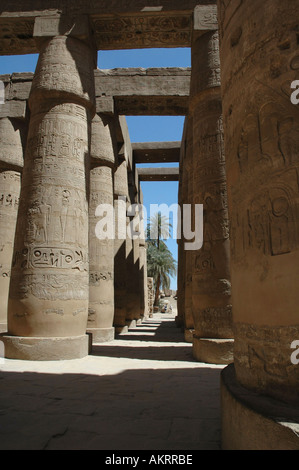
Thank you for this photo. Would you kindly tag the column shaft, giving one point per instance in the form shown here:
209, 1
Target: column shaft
211, 287
259, 62
188, 196
120, 246
133, 270
48, 300
101, 244
11, 163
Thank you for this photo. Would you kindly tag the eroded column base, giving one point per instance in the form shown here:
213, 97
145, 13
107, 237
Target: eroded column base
101, 335
213, 351
188, 334
45, 349
255, 422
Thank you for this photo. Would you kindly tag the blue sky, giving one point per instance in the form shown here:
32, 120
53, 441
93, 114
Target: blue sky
142, 128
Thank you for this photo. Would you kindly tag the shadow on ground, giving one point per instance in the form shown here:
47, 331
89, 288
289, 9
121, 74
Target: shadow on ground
151, 353
172, 409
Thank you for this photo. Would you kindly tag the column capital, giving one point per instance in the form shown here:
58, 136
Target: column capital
77, 27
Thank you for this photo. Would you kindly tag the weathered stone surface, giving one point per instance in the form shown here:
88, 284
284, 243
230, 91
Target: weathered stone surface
213, 351
103, 141
120, 254
65, 66
205, 18
11, 143
211, 287
259, 61
151, 295
160, 91
17, 89
101, 265
181, 252
158, 174
133, 261
49, 282
251, 421
13, 109
101, 251
116, 25
45, 349
11, 163
156, 152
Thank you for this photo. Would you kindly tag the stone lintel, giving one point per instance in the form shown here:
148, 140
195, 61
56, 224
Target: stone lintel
13, 109
129, 91
17, 88
116, 24
156, 152
170, 81
143, 92
158, 174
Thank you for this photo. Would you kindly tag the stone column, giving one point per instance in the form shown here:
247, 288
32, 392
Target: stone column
49, 289
151, 295
133, 274
11, 164
188, 255
181, 254
211, 286
121, 192
260, 60
101, 250
143, 268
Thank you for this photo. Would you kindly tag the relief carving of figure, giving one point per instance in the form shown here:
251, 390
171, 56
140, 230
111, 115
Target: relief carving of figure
279, 226
40, 216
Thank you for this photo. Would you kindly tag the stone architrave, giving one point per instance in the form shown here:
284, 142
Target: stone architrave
11, 164
260, 60
101, 250
121, 194
211, 285
49, 289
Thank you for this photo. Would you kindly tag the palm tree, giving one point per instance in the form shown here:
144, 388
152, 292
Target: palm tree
158, 228
160, 263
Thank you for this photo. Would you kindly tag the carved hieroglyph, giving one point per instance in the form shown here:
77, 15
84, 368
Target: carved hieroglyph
260, 59
143, 31
211, 287
151, 295
49, 283
11, 163
101, 251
